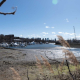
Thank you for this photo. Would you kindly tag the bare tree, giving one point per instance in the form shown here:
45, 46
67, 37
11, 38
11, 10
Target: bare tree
7, 12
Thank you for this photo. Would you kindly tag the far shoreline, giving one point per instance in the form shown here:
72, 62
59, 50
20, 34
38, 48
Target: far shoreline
72, 45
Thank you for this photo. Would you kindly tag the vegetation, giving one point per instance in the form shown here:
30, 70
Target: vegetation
34, 72
69, 69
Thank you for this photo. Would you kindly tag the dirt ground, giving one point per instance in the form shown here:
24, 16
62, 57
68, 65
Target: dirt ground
14, 66
8, 59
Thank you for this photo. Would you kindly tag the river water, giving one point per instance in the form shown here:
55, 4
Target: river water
51, 50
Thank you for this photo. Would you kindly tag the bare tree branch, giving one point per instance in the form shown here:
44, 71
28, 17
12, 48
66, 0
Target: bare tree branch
2, 2
9, 12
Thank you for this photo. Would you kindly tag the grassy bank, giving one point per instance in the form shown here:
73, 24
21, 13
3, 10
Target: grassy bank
34, 73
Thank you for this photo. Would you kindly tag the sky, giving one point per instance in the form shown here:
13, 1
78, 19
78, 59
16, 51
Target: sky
41, 18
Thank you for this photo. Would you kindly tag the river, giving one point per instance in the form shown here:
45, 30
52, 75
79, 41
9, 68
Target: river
51, 50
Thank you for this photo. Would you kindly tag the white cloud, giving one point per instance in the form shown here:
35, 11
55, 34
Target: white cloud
33, 35
67, 20
53, 33
66, 33
47, 27
44, 33
71, 34
44, 23
60, 32
78, 36
72, 37
52, 27
38, 36
21, 35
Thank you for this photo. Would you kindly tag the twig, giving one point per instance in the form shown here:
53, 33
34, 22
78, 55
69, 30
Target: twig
9, 12
2, 2
27, 74
69, 69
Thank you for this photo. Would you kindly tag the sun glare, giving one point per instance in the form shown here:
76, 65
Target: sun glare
54, 1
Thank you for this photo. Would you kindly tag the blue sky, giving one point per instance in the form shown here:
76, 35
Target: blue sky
41, 18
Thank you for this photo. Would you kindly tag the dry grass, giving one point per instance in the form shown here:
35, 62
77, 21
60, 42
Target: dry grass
47, 64
33, 72
71, 57
63, 42
39, 65
61, 65
16, 75
68, 53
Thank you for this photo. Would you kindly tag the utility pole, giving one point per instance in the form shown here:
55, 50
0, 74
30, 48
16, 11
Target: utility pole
74, 32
